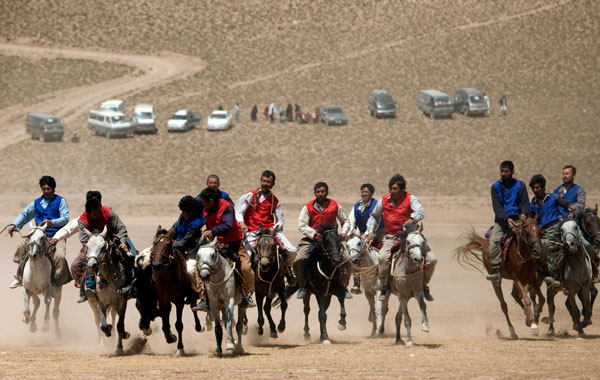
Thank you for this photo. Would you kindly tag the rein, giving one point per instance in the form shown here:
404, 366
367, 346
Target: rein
520, 231
270, 293
171, 255
330, 277
370, 270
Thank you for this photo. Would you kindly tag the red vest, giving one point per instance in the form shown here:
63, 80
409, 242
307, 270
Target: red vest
216, 217
260, 213
395, 217
327, 216
100, 224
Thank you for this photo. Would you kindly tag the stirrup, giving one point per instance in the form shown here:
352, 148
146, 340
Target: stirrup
494, 277
202, 306
302, 292
355, 289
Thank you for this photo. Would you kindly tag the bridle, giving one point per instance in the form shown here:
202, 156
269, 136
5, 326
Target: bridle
42, 246
522, 235
169, 249
266, 253
586, 216
269, 256
323, 234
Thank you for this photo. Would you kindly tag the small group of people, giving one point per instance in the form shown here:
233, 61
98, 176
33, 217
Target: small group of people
510, 200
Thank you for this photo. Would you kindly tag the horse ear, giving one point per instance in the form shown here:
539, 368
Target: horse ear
214, 242
158, 228
103, 234
596, 209
44, 227
536, 216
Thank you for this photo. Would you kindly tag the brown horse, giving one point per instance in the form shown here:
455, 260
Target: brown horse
171, 285
269, 271
519, 265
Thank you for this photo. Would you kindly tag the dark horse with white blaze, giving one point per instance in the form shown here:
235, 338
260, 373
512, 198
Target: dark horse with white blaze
269, 269
327, 274
519, 265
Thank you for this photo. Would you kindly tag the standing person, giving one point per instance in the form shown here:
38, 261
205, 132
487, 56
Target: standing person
261, 207
219, 215
503, 105
359, 215
314, 214
298, 111
51, 210
236, 112
266, 112
509, 201
288, 113
546, 207
487, 102
272, 111
214, 183
254, 113
399, 210
281, 113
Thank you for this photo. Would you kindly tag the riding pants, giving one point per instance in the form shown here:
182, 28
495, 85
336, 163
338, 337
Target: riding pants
495, 247
551, 238
57, 256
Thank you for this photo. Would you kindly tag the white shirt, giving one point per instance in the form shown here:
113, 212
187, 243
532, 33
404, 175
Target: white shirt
352, 219
304, 219
68, 230
418, 212
242, 204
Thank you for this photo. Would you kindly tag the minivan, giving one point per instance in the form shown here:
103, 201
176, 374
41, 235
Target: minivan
435, 103
113, 105
381, 104
470, 101
110, 123
44, 127
143, 117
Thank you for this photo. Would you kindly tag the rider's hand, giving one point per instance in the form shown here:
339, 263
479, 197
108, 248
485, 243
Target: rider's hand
208, 234
47, 222
410, 221
53, 241
511, 223
572, 208
11, 229
369, 238
344, 235
123, 246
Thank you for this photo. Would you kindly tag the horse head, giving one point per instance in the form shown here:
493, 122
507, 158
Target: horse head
529, 232
95, 249
331, 244
590, 224
415, 246
356, 248
161, 253
206, 259
266, 248
570, 235
37, 245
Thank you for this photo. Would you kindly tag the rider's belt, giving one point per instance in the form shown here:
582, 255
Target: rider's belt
552, 223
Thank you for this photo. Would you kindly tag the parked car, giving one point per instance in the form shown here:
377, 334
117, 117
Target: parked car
219, 120
332, 115
381, 104
116, 105
44, 127
143, 117
470, 101
183, 120
110, 123
435, 103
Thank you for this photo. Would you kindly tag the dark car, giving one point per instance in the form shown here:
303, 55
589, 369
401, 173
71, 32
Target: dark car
44, 127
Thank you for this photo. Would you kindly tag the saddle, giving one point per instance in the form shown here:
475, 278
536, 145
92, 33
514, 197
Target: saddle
505, 241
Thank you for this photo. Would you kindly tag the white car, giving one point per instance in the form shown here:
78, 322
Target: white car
143, 116
219, 121
182, 121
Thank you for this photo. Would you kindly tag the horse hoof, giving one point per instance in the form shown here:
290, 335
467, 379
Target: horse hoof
281, 328
370, 319
147, 331
341, 327
259, 331
550, 333
273, 334
32, 327
534, 330
119, 352
45, 327
547, 320
200, 328
239, 350
527, 322
229, 346
218, 353
513, 335
425, 327
179, 353
26, 317
585, 323
400, 342
306, 336
244, 329
170, 338
326, 342
106, 330
581, 335
125, 335
209, 327
409, 343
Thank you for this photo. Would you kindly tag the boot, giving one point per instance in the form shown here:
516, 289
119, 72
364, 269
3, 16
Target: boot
427, 293
82, 296
552, 281
356, 286
289, 276
299, 270
16, 282
202, 305
496, 276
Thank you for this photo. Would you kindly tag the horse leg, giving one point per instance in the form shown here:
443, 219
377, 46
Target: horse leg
504, 307
323, 304
105, 327
372, 317
585, 297
407, 321
26, 311
574, 311
47, 300
179, 327
398, 318
341, 296
218, 334
517, 297
229, 324
550, 293
197, 325
284, 306
381, 309
208, 321
56, 310
423, 306
259, 307
269, 317
165, 312
36, 306
239, 327
540, 306
306, 312
527, 302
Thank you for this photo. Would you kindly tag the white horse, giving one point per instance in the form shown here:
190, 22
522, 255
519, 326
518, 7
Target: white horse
364, 262
99, 262
406, 281
37, 279
223, 294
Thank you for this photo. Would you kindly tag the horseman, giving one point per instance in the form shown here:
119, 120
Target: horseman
51, 210
509, 201
213, 182
220, 222
547, 208
314, 214
95, 218
359, 215
261, 207
399, 210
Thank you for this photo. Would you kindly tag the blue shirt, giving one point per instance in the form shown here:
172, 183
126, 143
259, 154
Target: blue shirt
28, 213
546, 209
570, 195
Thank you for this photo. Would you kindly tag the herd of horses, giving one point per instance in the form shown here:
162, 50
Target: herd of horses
162, 275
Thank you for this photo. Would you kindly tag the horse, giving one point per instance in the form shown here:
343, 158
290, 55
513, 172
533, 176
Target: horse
269, 272
327, 274
406, 282
171, 285
217, 275
577, 276
101, 260
364, 261
37, 275
519, 265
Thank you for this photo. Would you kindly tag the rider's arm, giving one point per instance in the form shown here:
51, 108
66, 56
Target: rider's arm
351, 222
375, 218
303, 224
497, 206
190, 239
226, 224
418, 212
67, 231
25, 216
562, 202
279, 220
580, 202
241, 206
343, 219
84, 233
63, 210
118, 226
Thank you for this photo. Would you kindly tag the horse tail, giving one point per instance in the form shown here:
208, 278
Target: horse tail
470, 255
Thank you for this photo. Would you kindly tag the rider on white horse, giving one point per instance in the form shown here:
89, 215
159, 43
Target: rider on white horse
261, 207
397, 209
51, 210
359, 215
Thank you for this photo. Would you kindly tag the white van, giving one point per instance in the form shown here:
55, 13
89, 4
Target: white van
143, 117
116, 105
110, 123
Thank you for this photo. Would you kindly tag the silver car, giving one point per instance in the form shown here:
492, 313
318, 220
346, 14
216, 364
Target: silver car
332, 115
381, 104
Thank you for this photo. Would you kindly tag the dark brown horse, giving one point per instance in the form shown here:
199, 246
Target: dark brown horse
519, 265
172, 285
269, 271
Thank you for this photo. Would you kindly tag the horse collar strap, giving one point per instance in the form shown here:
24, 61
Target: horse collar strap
224, 280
